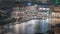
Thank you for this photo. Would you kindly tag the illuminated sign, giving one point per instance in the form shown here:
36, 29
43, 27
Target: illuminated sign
28, 3
57, 9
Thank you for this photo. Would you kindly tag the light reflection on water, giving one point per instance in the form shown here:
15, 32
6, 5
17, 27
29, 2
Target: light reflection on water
32, 26
42, 25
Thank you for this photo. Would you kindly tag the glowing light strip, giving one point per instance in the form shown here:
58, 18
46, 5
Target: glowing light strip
44, 9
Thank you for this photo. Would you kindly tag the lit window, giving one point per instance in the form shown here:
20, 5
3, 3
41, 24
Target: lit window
43, 9
47, 9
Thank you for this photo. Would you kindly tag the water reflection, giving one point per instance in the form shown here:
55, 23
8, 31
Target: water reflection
30, 27
44, 26
37, 26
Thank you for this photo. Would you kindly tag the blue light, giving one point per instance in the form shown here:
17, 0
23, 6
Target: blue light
44, 26
29, 4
